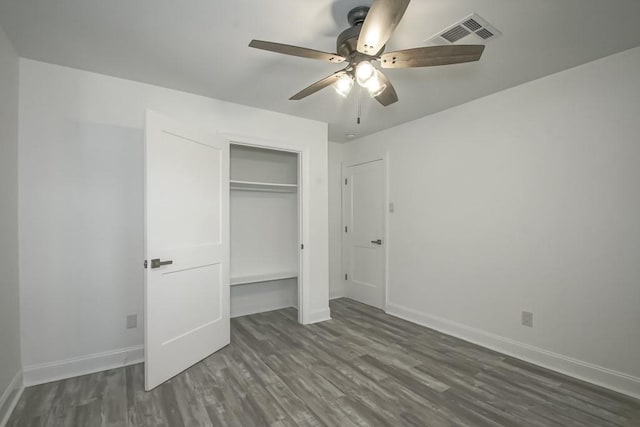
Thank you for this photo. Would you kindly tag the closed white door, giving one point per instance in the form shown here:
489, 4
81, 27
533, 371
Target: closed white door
363, 243
187, 247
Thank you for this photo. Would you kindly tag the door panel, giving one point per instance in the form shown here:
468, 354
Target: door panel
187, 204
202, 282
363, 216
365, 269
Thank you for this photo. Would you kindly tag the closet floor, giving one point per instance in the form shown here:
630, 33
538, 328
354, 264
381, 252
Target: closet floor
364, 367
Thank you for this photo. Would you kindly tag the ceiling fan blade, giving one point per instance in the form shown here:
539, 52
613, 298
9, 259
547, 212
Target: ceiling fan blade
431, 56
320, 84
296, 51
389, 95
383, 17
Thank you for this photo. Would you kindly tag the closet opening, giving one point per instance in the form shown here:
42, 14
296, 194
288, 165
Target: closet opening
265, 218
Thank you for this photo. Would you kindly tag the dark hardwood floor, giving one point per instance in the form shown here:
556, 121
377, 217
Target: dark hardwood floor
361, 368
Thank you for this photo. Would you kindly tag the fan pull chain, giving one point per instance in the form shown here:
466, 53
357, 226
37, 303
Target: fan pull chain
359, 104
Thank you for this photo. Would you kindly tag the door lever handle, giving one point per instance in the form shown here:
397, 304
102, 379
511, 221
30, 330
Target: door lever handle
155, 263
376, 242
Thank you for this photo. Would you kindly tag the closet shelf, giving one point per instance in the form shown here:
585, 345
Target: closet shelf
262, 186
263, 278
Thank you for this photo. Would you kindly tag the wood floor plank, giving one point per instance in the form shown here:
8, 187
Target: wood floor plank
362, 368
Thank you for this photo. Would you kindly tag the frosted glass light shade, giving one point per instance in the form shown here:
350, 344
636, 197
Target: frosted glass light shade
375, 86
343, 85
364, 73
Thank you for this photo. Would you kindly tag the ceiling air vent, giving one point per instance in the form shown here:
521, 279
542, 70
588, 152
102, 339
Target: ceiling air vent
471, 30
472, 24
455, 34
484, 33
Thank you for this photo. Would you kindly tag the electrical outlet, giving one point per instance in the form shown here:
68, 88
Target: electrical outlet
132, 321
527, 319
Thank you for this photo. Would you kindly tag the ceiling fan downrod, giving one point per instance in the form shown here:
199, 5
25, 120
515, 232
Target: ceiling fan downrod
357, 15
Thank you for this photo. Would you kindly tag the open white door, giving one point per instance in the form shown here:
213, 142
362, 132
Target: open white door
187, 247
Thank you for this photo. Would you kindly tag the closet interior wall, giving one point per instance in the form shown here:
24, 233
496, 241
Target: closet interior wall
264, 207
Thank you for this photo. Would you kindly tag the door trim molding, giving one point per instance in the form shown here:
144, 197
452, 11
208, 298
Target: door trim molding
385, 168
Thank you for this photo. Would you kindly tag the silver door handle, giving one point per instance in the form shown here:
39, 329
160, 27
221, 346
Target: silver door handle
155, 263
377, 242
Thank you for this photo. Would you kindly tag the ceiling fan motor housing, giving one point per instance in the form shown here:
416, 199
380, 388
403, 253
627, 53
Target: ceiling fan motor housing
357, 15
347, 42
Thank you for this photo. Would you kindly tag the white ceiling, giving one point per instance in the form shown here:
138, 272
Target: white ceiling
200, 46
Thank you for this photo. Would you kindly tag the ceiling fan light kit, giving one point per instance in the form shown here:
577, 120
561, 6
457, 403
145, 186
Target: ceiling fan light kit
364, 72
369, 78
364, 43
344, 85
375, 85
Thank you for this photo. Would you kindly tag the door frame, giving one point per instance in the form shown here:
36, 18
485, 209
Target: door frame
385, 213
304, 202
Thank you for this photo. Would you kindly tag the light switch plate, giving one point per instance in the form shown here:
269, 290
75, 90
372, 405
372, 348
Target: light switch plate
132, 321
527, 319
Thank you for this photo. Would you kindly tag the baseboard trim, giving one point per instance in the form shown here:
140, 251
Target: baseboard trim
10, 397
318, 316
248, 310
598, 375
82, 365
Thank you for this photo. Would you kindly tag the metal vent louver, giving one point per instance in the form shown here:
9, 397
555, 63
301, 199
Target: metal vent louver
472, 24
455, 34
484, 33
473, 29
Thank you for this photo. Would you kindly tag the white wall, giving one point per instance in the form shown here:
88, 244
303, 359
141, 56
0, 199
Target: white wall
81, 225
10, 365
336, 276
528, 199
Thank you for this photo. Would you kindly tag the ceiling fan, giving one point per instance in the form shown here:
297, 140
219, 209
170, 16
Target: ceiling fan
364, 43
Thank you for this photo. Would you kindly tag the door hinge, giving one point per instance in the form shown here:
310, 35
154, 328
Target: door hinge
346, 276
302, 246
345, 181
345, 228
145, 263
